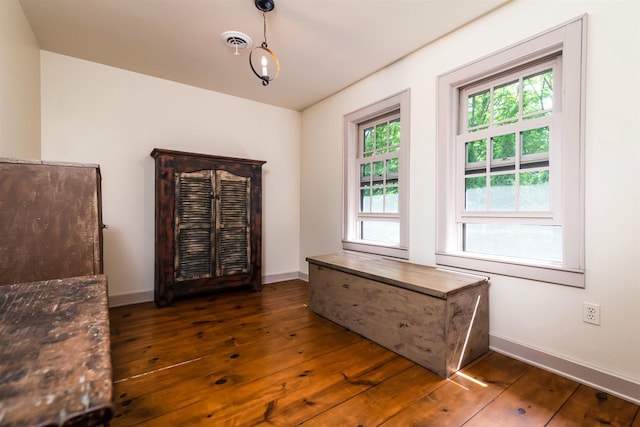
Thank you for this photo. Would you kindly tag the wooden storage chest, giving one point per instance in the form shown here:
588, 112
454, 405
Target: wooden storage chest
438, 319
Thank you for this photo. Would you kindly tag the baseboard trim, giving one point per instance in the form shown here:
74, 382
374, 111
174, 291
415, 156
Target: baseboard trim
147, 296
280, 277
132, 298
607, 382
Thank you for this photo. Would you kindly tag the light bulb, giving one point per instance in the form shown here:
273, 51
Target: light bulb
265, 71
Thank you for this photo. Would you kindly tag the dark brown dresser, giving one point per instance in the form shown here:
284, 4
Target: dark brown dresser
208, 223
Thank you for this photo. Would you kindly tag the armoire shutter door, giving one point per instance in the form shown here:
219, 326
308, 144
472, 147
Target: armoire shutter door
194, 225
232, 224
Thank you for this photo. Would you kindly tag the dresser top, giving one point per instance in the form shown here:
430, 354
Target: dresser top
172, 153
55, 353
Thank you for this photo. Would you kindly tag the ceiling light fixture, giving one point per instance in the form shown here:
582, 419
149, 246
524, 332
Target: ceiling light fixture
268, 66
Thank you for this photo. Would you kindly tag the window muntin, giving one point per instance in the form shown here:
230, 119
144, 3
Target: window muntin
505, 132
379, 164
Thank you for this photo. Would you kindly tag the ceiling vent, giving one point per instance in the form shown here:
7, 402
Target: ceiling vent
236, 41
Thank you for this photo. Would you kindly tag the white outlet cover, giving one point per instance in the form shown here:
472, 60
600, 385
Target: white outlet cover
591, 313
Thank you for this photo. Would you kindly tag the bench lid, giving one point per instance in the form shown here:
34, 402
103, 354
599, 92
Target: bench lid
431, 281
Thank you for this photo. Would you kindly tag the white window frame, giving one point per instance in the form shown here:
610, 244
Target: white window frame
568, 40
351, 182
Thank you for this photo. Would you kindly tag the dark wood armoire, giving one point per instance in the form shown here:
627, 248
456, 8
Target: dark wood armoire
50, 220
208, 224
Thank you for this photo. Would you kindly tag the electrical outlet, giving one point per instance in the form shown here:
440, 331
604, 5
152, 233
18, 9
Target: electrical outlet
591, 313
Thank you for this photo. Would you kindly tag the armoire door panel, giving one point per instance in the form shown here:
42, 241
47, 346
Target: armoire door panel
232, 223
194, 225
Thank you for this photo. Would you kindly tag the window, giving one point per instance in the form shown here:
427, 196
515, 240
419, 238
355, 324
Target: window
376, 199
510, 160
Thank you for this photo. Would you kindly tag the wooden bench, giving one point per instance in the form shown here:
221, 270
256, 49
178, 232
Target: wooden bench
55, 357
436, 318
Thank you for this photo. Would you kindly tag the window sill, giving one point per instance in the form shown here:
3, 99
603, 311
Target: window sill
541, 273
389, 251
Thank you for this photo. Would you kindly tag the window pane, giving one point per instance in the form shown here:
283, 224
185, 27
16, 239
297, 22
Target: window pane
381, 139
505, 101
534, 191
503, 192
377, 199
365, 172
504, 146
365, 200
380, 231
478, 109
394, 134
393, 166
476, 193
378, 169
540, 242
391, 199
477, 151
537, 94
368, 142
535, 141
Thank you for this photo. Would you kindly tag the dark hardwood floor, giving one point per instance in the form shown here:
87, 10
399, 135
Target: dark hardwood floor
245, 358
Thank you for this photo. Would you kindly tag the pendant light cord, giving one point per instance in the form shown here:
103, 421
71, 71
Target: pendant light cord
264, 29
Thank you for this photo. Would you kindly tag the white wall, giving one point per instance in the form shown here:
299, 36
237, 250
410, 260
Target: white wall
539, 316
97, 114
19, 84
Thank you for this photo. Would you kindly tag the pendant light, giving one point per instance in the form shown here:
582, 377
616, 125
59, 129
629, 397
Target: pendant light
264, 63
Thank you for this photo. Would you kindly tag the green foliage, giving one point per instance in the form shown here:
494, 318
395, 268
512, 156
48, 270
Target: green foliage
505, 101
393, 165
535, 141
476, 182
537, 94
378, 168
477, 151
503, 180
478, 105
381, 138
534, 178
526, 178
504, 146
379, 193
394, 135
368, 142
537, 97
526, 98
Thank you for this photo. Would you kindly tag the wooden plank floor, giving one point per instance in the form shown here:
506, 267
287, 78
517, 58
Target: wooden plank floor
262, 358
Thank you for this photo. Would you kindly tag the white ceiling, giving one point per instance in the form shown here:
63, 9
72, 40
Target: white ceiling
323, 46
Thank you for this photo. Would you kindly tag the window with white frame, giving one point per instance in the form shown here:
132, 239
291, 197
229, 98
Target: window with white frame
376, 170
510, 160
